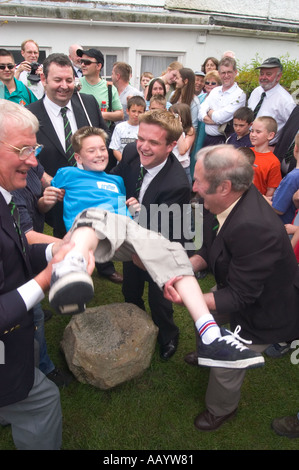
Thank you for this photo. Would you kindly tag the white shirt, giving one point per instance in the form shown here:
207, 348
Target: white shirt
31, 292
36, 88
55, 116
278, 103
122, 135
224, 105
148, 177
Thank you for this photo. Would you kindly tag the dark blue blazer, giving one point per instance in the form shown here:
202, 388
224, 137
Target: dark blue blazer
16, 323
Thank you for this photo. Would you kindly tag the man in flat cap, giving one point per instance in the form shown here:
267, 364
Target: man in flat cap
270, 98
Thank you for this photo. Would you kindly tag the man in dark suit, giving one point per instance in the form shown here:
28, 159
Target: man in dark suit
82, 110
165, 184
29, 401
254, 265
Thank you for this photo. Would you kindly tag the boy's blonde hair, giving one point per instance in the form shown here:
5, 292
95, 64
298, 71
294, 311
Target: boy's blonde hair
269, 122
158, 99
85, 132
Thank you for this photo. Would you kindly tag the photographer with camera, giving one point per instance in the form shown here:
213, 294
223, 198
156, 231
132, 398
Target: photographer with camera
28, 71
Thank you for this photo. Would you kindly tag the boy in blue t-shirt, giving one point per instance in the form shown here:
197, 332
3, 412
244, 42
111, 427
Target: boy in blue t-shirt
242, 120
282, 201
105, 230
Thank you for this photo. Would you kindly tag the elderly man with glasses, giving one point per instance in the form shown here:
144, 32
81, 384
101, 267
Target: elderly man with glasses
14, 90
29, 401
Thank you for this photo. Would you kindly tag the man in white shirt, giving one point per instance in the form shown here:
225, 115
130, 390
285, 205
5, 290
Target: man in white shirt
220, 105
276, 101
121, 74
30, 52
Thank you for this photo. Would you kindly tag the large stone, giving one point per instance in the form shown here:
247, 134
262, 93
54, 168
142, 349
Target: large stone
108, 345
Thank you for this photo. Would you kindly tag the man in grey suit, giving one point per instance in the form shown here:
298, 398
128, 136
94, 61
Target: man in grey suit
254, 265
81, 110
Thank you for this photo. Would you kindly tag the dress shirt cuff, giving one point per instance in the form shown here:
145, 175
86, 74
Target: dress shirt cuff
31, 293
49, 254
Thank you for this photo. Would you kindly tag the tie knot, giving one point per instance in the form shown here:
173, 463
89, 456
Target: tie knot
63, 111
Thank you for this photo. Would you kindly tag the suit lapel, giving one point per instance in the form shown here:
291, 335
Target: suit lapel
155, 185
79, 112
8, 227
46, 127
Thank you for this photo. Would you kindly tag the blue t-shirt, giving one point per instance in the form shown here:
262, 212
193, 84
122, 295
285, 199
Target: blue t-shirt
242, 142
85, 189
283, 197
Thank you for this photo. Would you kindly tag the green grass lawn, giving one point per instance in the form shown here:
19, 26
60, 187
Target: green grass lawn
156, 411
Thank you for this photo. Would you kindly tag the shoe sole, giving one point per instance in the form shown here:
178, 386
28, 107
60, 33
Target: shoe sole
61, 295
250, 363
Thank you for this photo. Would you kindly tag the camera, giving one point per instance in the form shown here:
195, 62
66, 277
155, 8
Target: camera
33, 76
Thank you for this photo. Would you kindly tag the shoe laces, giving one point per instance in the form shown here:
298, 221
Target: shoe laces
76, 262
234, 339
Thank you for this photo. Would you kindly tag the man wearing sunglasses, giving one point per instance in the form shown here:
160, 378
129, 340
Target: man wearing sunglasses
14, 90
92, 62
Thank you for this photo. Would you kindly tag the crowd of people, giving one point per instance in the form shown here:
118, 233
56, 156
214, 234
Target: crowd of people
88, 155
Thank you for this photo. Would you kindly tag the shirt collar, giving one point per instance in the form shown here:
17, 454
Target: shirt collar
154, 171
55, 109
223, 215
6, 194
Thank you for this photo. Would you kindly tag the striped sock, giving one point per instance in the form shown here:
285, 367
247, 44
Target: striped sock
207, 328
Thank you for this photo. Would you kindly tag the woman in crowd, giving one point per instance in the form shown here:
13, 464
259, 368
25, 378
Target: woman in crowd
184, 93
212, 80
183, 148
211, 63
156, 87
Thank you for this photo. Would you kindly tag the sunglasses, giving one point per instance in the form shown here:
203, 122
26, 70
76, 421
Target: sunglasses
87, 62
210, 83
9, 66
25, 152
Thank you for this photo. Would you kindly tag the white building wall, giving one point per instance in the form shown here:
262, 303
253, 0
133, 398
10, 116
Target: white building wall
191, 43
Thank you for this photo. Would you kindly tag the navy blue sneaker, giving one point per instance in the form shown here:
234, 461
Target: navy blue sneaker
277, 349
229, 352
71, 286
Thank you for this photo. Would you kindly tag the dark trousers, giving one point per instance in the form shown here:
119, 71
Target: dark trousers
161, 309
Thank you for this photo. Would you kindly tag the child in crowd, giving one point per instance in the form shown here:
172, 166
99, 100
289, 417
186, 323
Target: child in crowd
157, 102
282, 201
184, 144
126, 131
267, 172
242, 122
145, 78
108, 231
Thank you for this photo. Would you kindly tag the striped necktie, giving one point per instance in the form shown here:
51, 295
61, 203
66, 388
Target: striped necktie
215, 226
258, 106
17, 224
142, 173
68, 135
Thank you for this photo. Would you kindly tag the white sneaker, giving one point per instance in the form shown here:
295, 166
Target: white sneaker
71, 286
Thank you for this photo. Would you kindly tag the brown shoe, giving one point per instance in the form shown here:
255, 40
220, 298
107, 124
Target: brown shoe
116, 278
205, 421
191, 358
286, 426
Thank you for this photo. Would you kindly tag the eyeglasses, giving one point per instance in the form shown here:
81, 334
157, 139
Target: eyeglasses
87, 62
210, 83
9, 66
25, 152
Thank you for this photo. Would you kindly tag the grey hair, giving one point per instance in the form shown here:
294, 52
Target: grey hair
224, 162
16, 115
